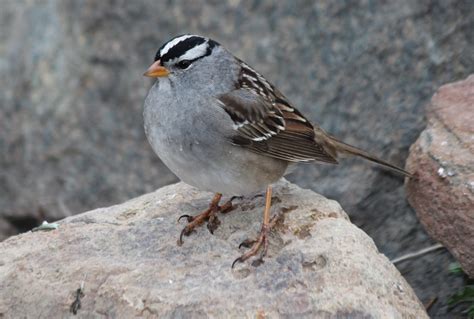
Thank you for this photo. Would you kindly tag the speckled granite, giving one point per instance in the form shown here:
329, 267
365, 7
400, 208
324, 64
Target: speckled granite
319, 265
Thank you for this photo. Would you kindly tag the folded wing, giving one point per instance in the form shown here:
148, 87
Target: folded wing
266, 123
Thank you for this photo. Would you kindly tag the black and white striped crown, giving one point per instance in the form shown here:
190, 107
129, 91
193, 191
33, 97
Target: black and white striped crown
185, 47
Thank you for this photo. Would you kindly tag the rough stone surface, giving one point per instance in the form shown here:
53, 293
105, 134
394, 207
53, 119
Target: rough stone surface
71, 135
319, 264
443, 160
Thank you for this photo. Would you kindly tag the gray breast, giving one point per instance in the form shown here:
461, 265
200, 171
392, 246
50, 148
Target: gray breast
192, 137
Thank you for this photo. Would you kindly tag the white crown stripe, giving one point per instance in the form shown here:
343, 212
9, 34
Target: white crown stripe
196, 52
173, 42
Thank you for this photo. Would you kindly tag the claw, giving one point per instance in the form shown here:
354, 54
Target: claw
185, 232
189, 218
227, 207
247, 243
238, 260
180, 240
261, 244
213, 223
257, 196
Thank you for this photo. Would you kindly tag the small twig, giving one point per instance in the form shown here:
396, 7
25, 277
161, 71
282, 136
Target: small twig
76, 304
417, 253
83, 282
430, 303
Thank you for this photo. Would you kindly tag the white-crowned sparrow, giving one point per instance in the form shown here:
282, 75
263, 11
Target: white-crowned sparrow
222, 127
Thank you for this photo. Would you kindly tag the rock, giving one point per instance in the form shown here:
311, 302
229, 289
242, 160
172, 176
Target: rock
319, 264
6, 229
443, 160
71, 136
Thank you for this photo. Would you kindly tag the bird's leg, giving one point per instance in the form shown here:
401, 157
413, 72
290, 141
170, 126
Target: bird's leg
209, 215
261, 243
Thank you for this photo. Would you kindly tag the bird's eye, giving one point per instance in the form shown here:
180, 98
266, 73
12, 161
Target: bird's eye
184, 64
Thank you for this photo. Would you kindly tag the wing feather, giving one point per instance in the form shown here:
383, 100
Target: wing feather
266, 123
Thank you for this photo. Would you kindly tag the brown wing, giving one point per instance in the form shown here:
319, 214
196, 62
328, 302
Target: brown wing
267, 124
254, 117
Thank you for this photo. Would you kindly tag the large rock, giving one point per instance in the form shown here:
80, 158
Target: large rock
443, 160
319, 264
71, 135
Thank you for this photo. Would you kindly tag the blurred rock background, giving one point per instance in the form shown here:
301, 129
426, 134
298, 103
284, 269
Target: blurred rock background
72, 90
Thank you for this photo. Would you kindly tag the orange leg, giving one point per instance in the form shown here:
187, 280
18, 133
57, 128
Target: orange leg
262, 240
208, 215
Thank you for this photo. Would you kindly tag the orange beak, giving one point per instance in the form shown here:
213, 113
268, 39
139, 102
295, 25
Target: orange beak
156, 70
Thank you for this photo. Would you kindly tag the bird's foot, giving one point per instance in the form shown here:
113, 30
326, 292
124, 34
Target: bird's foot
209, 215
256, 245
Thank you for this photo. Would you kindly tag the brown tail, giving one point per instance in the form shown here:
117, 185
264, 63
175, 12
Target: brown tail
349, 149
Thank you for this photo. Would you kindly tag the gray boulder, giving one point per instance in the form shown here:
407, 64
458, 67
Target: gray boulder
127, 261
